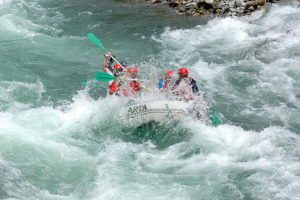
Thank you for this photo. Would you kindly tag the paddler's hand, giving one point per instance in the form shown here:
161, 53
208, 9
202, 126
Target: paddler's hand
108, 54
123, 78
142, 88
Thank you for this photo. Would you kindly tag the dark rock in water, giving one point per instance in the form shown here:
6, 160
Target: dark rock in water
216, 7
175, 3
251, 3
181, 9
260, 2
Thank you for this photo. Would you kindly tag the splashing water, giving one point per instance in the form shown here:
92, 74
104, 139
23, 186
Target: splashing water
62, 140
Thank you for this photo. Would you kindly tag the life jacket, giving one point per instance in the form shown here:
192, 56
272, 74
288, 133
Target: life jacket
166, 85
191, 82
162, 84
191, 87
131, 89
113, 88
135, 85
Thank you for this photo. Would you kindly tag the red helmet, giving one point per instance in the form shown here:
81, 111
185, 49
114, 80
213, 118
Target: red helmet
132, 70
117, 66
169, 73
183, 71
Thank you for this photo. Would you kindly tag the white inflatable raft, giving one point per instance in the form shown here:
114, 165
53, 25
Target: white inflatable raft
160, 111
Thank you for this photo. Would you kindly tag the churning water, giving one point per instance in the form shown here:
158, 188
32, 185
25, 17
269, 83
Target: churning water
62, 140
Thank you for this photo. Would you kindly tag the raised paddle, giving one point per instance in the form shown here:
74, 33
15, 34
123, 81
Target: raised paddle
99, 44
91, 84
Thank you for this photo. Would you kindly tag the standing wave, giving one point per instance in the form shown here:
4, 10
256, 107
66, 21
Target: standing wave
53, 147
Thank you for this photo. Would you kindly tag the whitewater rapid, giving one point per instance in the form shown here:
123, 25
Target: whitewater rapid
63, 140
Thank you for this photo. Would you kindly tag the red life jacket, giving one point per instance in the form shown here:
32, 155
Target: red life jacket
135, 85
131, 89
113, 88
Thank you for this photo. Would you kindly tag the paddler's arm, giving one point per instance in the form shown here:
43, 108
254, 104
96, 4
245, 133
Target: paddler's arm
121, 80
176, 84
104, 63
142, 88
174, 87
194, 86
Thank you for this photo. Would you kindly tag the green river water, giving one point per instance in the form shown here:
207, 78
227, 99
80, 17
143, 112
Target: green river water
60, 139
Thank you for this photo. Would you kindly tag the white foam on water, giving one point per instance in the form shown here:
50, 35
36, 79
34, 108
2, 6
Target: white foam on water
19, 95
128, 171
218, 34
215, 163
12, 188
49, 121
250, 61
15, 21
267, 155
261, 165
4, 3
17, 25
53, 137
250, 164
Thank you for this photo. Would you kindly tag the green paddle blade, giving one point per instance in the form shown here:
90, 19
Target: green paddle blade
96, 41
101, 76
104, 79
91, 84
213, 118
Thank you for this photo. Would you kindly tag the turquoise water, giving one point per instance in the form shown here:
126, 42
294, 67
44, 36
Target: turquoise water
62, 140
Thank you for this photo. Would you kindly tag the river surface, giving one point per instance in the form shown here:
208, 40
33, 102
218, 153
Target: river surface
60, 139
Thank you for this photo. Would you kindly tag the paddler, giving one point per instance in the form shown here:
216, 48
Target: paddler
167, 81
115, 84
107, 64
117, 71
133, 86
185, 87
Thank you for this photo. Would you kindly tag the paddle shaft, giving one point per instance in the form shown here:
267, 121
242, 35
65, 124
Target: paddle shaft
102, 76
99, 44
116, 61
